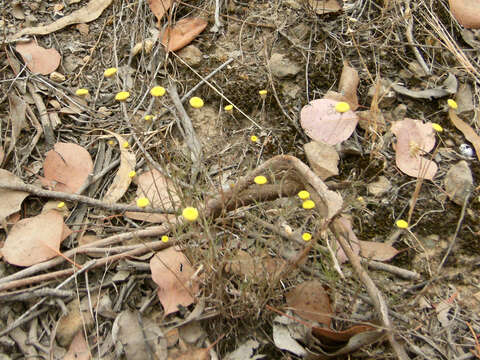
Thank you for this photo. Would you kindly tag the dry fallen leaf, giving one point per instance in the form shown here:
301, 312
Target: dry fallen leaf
18, 108
325, 6
467, 131
122, 180
2, 155
377, 251
11, 199
310, 301
78, 349
414, 140
88, 13
322, 122
159, 8
350, 237
348, 85
67, 167
173, 273
38, 59
35, 239
255, 267
467, 12
182, 33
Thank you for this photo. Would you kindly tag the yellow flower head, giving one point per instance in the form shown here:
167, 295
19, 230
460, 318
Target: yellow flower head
148, 117
157, 91
228, 108
125, 145
196, 102
452, 104
60, 205
437, 127
81, 92
304, 194
308, 204
190, 213
254, 138
307, 236
142, 202
342, 107
110, 72
132, 174
164, 238
111, 142
263, 94
122, 96
260, 180
401, 224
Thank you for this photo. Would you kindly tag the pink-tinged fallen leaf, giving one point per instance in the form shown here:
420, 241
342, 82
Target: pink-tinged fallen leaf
35, 239
159, 7
325, 6
11, 200
414, 140
467, 12
350, 237
466, 130
377, 251
322, 122
172, 272
310, 301
78, 349
38, 59
122, 179
67, 167
182, 33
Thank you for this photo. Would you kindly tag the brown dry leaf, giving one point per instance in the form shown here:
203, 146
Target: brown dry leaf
173, 273
67, 167
467, 12
88, 13
325, 6
414, 140
78, 349
159, 8
322, 122
122, 180
38, 59
11, 199
348, 85
258, 267
35, 239
183, 33
310, 301
377, 251
2, 155
466, 130
17, 118
188, 353
350, 237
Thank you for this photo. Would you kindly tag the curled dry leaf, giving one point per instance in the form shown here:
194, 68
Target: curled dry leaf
38, 59
88, 13
18, 108
176, 37
34, 240
348, 85
122, 180
67, 167
310, 301
172, 272
322, 122
377, 251
414, 140
11, 199
467, 12
159, 8
466, 130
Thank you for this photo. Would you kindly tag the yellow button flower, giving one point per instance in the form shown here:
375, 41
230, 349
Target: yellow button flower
164, 238
263, 94
308, 204
228, 108
437, 127
142, 202
132, 174
196, 102
254, 138
260, 180
401, 224
111, 142
110, 72
60, 205
125, 145
122, 96
157, 91
81, 92
148, 117
307, 236
342, 107
304, 194
190, 213
452, 104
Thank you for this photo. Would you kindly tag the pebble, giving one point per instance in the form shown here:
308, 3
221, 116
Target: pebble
283, 67
458, 182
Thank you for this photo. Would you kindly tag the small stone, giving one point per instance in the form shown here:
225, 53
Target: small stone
282, 66
459, 182
379, 187
191, 55
322, 158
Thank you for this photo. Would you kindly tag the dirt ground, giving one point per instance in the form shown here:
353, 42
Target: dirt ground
297, 54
